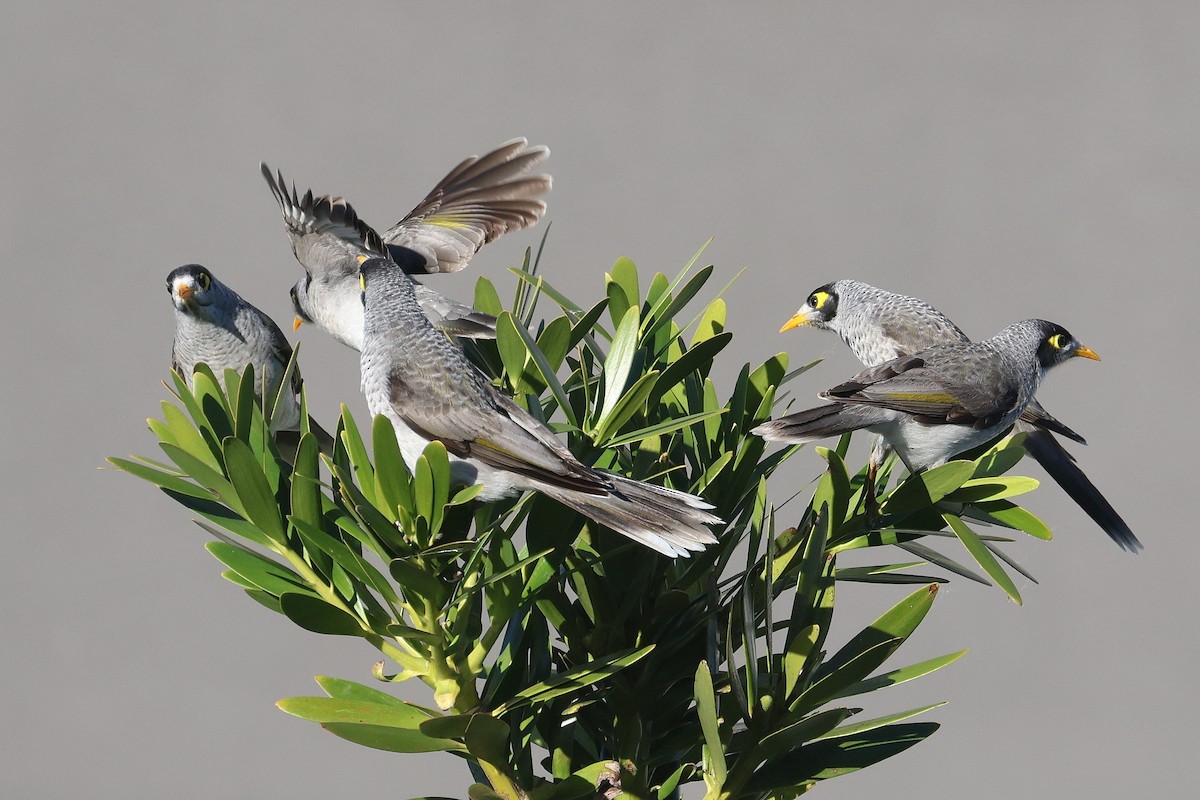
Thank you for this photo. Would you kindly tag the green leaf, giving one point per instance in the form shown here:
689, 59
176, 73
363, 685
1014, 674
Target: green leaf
396, 740
417, 583
624, 274
392, 713
513, 352
926, 488
543, 364
162, 479
574, 679
663, 428
790, 737
978, 490
316, 615
349, 690
625, 408
831, 758
712, 322
486, 298
706, 709
619, 362
255, 494
983, 556
393, 483
268, 575
186, 436
898, 676
1003, 512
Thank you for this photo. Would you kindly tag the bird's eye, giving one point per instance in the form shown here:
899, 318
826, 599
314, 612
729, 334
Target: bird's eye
204, 280
1058, 341
169, 288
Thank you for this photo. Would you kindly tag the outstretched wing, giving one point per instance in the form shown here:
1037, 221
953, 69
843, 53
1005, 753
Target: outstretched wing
478, 201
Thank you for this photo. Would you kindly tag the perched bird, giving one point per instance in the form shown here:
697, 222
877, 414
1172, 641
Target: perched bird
424, 384
941, 401
479, 200
879, 325
214, 325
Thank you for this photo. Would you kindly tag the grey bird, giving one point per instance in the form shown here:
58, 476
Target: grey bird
422, 382
941, 401
481, 199
214, 325
879, 325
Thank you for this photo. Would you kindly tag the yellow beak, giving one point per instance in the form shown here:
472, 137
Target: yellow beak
296, 323
798, 319
1087, 352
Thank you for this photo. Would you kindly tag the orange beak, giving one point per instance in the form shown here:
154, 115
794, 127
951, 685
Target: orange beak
296, 323
798, 319
184, 291
1087, 352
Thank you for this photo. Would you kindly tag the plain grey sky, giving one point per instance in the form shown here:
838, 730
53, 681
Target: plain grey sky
1001, 160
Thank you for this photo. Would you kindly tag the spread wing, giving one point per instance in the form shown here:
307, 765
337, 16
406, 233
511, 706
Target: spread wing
478, 201
310, 216
936, 397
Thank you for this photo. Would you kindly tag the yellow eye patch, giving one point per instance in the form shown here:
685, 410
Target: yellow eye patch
204, 280
818, 299
1058, 341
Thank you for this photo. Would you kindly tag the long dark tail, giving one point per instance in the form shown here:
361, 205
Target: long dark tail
1060, 466
671, 522
821, 422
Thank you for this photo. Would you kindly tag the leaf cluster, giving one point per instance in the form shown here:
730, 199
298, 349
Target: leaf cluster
563, 660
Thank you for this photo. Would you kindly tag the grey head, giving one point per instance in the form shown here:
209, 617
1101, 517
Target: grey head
876, 324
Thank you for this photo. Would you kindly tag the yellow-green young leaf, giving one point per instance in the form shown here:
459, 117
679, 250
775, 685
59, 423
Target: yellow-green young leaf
978, 490
658, 285
983, 556
186, 436
555, 341
706, 709
1011, 515
1001, 458
360, 707
349, 690
624, 274
486, 298
163, 479
795, 658
712, 322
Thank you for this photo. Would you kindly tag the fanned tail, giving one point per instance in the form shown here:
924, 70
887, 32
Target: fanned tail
668, 521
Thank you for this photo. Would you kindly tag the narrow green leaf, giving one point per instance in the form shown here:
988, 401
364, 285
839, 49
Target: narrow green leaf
898, 676
349, 690
983, 556
396, 740
978, 490
663, 428
545, 369
624, 409
162, 479
859, 728
620, 361
393, 713
574, 679
712, 322
268, 575
706, 709
831, 758
790, 737
1011, 515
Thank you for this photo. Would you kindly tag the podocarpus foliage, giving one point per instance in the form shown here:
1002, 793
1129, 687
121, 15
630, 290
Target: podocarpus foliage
563, 660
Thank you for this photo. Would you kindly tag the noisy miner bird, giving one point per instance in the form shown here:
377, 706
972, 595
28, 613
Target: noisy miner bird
424, 384
214, 325
479, 200
941, 401
879, 325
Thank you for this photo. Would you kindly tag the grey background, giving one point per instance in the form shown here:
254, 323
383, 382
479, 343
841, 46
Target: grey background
1001, 160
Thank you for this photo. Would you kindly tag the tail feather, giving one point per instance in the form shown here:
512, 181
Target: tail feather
822, 422
1060, 466
666, 520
